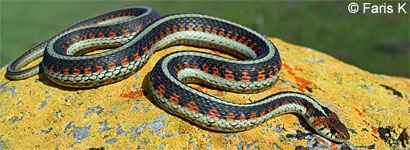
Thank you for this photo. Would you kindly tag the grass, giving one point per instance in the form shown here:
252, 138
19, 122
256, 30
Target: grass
378, 43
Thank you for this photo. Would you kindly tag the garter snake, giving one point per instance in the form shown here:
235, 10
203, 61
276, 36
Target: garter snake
139, 31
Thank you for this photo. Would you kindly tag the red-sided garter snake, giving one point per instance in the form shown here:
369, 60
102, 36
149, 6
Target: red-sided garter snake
139, 31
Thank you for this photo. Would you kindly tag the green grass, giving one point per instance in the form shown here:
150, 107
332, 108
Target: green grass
325, 26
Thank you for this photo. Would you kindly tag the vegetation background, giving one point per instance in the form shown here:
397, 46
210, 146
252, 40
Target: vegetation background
378, 43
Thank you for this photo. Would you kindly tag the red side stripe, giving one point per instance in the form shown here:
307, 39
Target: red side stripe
235, 36
125, 32
65, 70
230, 116
241, 39
174, 98
186, 65
195, 65
87, 70
145, 49
139, 27
51, 68
111, 65
136, 56
113, 34
161, 90
174, 29
270, 74
76, 71
182, 27
74, 40
168, 31
192, 106
207, 29
205, 68
229, 75
92, 36
124, 61
246, 77
99, 68
214, 30
276, 69
58, 71
253, 115
101, 35
262, 113
161, 35
215, 72
228, 34
190, 27
199, 28
261, 75
180, 66
222, 32
213, 113
242, 118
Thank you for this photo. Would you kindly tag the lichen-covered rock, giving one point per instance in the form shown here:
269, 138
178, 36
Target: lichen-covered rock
38, 114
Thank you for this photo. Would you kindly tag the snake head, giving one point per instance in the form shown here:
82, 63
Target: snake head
331, 127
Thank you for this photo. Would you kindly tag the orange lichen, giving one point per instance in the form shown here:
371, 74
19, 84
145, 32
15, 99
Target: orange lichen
302, 82
216, 53
132, 94
220, 93
358, 111
374, 129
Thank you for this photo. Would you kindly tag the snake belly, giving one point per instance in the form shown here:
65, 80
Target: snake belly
137, 38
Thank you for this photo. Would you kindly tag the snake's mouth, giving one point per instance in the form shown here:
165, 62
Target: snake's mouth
333, 134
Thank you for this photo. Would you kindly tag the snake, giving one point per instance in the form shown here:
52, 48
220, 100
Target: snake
135, 33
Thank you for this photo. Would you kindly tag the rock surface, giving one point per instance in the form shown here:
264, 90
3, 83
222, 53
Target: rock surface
38, 114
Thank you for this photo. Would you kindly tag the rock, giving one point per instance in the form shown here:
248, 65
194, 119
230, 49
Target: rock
38, 114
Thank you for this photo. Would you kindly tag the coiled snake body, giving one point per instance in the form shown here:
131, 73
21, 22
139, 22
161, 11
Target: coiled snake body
139, 31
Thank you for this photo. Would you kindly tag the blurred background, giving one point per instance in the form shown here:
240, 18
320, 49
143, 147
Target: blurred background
378, 43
